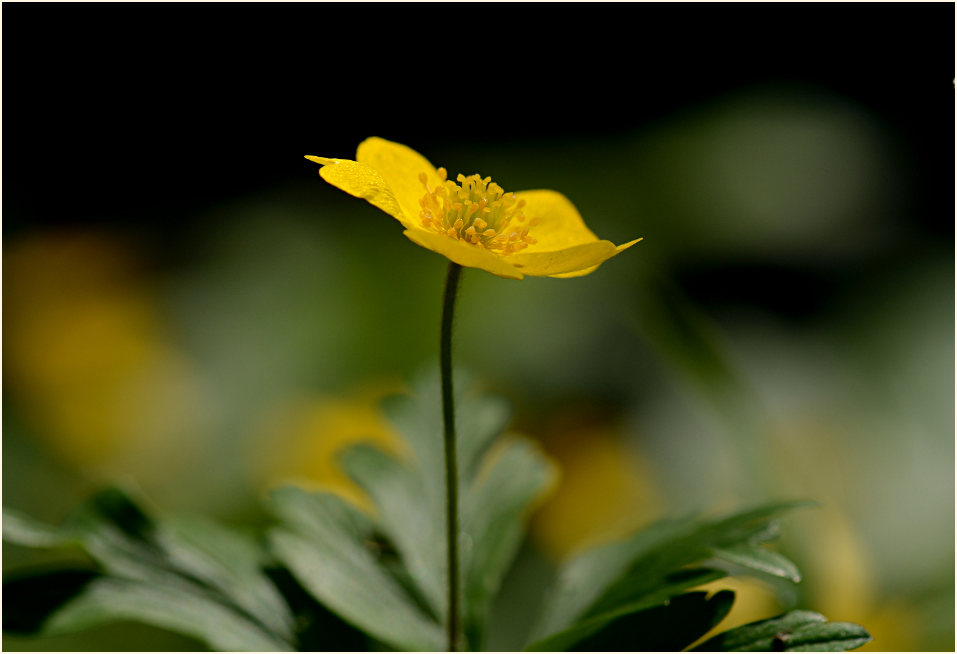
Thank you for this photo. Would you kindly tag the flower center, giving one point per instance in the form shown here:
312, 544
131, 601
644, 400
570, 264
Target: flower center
476, 211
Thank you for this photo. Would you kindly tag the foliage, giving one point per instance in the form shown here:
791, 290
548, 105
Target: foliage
328, 575
188, 575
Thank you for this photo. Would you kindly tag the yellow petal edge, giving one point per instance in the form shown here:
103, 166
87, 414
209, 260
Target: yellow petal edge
387, 175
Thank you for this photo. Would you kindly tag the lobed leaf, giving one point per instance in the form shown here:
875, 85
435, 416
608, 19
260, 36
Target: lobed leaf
20, 529
752, 556
796, 631
229, 562
493, 518
409, 601
194, 577
323, 546
171, 606
495, 490
601, 581
374, 604
406, 515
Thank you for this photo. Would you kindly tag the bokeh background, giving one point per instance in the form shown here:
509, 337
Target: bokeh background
189, 309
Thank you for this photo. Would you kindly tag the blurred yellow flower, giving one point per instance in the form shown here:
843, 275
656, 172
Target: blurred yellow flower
472, 222
299, 440
607, 488
95, 375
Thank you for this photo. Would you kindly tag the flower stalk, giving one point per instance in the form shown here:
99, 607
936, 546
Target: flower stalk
451, 455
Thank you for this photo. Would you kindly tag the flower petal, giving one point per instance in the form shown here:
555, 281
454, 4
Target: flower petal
591, 269
361, 181
463, 253
400, 166
570, 259
559, 223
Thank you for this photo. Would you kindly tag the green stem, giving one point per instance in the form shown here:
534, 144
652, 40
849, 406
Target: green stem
451, 456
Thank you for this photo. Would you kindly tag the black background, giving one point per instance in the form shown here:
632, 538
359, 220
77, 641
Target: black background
173, 108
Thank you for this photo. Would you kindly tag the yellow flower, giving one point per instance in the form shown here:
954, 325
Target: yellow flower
473, 222
300, 439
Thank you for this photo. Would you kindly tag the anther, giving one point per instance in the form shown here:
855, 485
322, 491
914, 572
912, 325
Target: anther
475, 210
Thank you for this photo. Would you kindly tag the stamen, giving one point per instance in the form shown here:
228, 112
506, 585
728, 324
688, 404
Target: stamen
476, 211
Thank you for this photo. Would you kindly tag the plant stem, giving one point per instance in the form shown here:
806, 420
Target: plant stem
451, 456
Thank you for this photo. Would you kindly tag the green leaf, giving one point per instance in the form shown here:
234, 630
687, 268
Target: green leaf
583, 580
23, 530
752, 556
322, 543
406, 514
154, 572
120, 537
796, 631
496, 487
493, 519
410, 495
604, 579
480, 419
229, 562
670, 627
166, 605
674, 585
190, 552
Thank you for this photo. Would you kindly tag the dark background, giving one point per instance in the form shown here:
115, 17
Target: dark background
139, 106
114, 105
